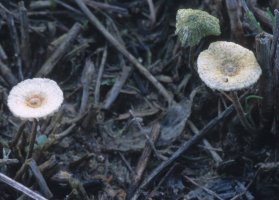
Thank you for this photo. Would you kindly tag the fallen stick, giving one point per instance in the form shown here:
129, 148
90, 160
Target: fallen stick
263, 44
234, 12
3, 55
25, 39
86, 80
216, 157
143, 160
99, 77
210, 192
20, 187
15, 41
40, 179
152, 11
275, 69
186, 146
115, 90
8, 161
7, 74
15, 140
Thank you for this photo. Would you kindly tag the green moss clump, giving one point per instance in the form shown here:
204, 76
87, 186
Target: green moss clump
193, 25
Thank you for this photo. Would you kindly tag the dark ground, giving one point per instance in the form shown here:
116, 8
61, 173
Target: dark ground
103, 144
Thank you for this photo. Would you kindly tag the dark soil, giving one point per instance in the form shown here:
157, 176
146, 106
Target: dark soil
118, 135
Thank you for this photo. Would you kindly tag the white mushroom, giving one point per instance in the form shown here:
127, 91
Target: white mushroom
35, 98
226, 66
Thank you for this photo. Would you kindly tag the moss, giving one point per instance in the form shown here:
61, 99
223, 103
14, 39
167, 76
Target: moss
193, 25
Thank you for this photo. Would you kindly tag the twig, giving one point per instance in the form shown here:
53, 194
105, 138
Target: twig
276, 88
187, 145
55, 138
21, 171
263, 17
16, 17
248, 186
163, 179
8, 161
54, 124
7, 74
143, 160
18, 134
67, 6
20, 187
124, 51
275, 63
234, 12
138, 124
268, 166
60, 51
34, 5
40, 179
127, 164
3, 55
263, 44
182, 85
241, 115
115, 90
6, 10
275, 38
86, 79
106, 6
49, 167
76, 163
99, 77
152, 12
15, 41
140, 114
25, 40
204, 188
208, 146
250, 20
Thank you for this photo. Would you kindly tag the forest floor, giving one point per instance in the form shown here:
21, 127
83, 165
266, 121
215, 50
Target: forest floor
137, 122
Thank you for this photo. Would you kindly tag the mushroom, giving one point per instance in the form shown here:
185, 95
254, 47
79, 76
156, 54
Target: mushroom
33, 99
229, 67
193, 25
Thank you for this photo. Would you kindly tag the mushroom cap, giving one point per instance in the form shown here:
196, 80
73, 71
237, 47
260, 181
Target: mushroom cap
35, 98
192, 25
227, 66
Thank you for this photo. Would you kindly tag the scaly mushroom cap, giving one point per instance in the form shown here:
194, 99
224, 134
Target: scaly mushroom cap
35, 98
227, 66
193, 25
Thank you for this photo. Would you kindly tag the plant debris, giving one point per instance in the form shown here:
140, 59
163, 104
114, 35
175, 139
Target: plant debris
137, 122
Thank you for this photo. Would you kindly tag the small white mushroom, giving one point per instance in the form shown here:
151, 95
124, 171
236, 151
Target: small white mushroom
35, 98
226, 66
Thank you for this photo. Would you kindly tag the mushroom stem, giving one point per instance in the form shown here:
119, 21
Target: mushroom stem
32, 139
240, 113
